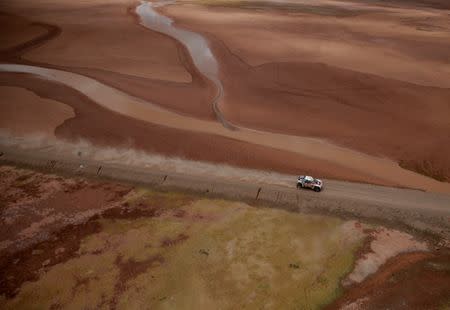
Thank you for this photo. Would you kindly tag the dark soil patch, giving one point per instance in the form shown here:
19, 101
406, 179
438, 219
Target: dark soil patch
366, 247
81, 196
167, 242
180, 213
80, 282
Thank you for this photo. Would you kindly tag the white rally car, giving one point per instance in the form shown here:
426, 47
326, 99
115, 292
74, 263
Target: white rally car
306, 181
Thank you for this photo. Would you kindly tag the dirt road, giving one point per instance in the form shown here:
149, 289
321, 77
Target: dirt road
124, 104
410, 209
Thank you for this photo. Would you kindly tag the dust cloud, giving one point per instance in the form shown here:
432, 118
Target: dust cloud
46, 146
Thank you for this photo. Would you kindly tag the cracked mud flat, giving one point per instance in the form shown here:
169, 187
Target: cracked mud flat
75, 243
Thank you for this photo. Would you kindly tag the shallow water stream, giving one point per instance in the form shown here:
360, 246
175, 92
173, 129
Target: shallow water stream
197, 46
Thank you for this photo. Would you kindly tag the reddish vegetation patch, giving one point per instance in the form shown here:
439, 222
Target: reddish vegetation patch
132, 212
35, 204
155, 206
43, 220
20, 186
19, 267
367, 245
408, 281
45, 217
129, 270
24, 266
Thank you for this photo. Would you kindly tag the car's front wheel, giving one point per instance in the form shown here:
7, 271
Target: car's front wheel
316, 189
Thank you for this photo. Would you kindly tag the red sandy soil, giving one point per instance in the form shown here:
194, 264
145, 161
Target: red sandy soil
284, 89
403, 44
90, 121
154, 82
407, 281
281, 88
22, 112
101, 35
16, 31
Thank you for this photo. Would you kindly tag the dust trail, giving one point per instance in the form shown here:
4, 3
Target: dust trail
126, 156
122, 103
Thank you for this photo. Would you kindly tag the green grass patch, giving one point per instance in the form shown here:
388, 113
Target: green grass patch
220, 254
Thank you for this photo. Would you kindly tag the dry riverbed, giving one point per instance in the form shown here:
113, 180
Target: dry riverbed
77, 243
